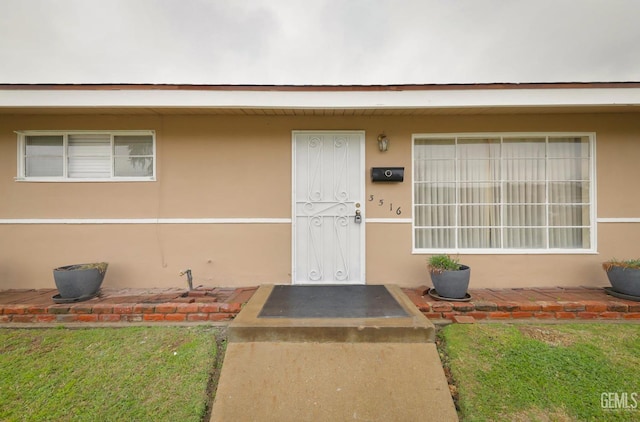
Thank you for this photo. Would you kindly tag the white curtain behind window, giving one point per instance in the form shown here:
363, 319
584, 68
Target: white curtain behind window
569, 207
525, 194
529, 192
435, 193
479, 193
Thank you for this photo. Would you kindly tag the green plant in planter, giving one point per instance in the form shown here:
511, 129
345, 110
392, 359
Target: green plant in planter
624, 276
450, 279
439, 263
100, 266
78, 282
628, 263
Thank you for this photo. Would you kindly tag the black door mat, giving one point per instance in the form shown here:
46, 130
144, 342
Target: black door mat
369, 301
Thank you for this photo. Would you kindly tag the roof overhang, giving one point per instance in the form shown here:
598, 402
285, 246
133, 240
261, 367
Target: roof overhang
420, 99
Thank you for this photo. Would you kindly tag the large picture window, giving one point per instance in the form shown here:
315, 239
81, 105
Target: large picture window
503, 192
93, 156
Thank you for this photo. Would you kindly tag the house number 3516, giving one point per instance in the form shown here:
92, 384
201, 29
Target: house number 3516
397, 210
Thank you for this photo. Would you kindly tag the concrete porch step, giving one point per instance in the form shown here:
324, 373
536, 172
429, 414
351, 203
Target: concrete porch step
249, 326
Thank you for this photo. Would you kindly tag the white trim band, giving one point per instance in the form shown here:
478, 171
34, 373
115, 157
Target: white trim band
145, 221
177, 98
226, 220
389, 220
618, 220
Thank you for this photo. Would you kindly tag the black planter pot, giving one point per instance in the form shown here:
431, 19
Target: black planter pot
79, 282
624, 280
452, 284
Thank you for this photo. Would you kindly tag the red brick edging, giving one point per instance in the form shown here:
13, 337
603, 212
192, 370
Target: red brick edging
572, 304
215, 304
486, 304
139, 312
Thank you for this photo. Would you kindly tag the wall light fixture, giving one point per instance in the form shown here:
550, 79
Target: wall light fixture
383, 142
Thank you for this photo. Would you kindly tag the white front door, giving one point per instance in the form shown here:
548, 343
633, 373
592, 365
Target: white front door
328, 207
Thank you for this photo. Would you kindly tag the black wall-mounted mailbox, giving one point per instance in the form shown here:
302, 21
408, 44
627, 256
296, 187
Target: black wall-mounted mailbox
387, 174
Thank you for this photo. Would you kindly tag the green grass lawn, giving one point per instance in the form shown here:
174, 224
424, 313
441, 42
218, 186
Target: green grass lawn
577, 372
106, 374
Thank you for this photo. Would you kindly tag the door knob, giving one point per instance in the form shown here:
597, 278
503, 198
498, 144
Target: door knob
358, 218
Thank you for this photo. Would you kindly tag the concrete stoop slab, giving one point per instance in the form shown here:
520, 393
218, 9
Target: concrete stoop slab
325, 381
249, 326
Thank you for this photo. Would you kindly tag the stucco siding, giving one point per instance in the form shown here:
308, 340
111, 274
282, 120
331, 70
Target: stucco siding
220, 167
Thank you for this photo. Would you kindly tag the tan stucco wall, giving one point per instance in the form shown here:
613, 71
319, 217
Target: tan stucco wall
148, 255
240, 167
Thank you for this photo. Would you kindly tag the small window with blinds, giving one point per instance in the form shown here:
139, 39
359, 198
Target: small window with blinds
86, 156
513, 193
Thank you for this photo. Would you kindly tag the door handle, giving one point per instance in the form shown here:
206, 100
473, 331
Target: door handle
358, 218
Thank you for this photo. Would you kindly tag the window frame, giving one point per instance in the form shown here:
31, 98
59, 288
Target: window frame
509, 251
21, 167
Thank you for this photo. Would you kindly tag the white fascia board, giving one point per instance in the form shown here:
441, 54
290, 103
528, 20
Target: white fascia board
449, 98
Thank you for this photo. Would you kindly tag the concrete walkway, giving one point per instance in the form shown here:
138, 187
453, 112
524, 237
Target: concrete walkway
332, 369
285, 381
